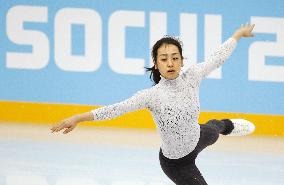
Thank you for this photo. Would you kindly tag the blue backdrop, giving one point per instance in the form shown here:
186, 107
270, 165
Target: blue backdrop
56, 32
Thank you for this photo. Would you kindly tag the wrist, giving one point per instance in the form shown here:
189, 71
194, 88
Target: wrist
77, 118
87, 116
236, 36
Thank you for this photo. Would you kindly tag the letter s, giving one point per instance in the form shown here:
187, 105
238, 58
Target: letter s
39, 56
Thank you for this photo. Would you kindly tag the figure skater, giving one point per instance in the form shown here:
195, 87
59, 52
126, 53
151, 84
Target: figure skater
174, 104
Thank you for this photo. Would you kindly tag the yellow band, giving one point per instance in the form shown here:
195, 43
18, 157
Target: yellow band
45, 113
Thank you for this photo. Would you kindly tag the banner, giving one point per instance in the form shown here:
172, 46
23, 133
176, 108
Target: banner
94, 52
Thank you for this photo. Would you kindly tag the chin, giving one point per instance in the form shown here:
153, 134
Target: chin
172, 77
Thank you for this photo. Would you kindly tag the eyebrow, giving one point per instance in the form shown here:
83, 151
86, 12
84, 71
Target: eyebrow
166, 54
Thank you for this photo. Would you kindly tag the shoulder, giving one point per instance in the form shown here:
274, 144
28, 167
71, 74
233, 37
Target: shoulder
191, 71
192, 75
148, 92
152, 93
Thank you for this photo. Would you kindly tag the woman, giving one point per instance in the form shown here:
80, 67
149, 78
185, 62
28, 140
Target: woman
174, 104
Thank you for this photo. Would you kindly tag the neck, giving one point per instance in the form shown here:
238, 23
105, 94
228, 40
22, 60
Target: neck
171, 82
167, 79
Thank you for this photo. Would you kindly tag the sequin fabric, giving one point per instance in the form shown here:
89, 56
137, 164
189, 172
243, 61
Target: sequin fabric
174, 104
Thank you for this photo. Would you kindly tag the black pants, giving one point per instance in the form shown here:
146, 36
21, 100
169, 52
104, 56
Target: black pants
183, 171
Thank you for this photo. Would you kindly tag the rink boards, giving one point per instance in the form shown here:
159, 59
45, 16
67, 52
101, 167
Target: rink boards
43, 113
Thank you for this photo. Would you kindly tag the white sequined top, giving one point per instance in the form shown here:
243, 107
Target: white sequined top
174, 104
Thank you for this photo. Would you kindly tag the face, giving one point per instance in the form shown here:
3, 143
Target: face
169, 61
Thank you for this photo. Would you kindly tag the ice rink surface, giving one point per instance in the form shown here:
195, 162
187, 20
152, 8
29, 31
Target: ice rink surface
31, 155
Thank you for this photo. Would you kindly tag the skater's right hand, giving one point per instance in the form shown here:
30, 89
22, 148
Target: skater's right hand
68, 124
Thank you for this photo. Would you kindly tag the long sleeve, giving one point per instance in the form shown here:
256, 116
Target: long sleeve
216, 59
138, 101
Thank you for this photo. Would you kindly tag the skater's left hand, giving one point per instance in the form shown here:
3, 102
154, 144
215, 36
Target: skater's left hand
244, 31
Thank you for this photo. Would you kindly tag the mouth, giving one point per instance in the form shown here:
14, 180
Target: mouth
171, 71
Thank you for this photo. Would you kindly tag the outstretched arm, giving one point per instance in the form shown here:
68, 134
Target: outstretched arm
224, 51
137, 101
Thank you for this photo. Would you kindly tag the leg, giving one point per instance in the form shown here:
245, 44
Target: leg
224, 126
209, 133
189, 175
182, 171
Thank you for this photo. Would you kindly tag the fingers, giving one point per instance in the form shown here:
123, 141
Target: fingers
63, 125
68, 130
53, 129
250, 30
251, 27
59, 127
246, 29
248, 25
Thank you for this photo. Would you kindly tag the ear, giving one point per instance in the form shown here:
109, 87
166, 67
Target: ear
156, 66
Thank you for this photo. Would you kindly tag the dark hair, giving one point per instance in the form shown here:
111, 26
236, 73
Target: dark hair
155, 73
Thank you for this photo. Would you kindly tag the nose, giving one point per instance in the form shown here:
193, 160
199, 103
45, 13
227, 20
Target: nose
170, 63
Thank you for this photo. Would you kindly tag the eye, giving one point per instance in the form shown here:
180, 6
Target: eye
175, 58
163, 59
